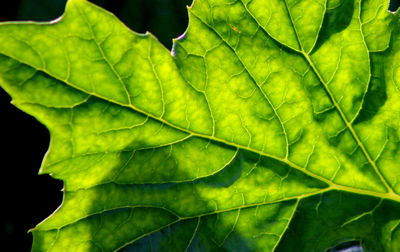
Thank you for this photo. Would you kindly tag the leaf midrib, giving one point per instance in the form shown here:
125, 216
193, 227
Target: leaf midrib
332, 186
390, 195
174, 126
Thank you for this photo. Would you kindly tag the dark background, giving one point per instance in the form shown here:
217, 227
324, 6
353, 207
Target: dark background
27, 198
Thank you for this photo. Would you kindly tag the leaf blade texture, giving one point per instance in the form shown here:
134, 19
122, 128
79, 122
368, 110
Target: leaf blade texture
265, 118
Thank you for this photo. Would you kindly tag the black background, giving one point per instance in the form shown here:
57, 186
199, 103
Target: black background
26, 198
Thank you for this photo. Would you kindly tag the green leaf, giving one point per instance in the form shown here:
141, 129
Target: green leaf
272, 125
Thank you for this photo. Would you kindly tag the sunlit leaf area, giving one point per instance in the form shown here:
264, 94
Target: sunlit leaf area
264, 126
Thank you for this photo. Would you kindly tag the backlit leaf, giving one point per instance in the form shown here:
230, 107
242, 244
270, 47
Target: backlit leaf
271, 125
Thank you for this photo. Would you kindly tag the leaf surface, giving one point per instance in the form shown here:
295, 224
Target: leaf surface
271, 125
